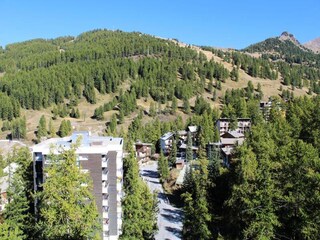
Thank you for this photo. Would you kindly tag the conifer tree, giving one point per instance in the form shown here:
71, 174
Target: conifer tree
67, 209
173, 152
139, 205
19, 212
174, 105
163, 167
214, 95
42, 128
65, 128
189, 152
52, 131
186, 106
10, 231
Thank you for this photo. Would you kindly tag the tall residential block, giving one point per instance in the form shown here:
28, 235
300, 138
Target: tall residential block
102, 158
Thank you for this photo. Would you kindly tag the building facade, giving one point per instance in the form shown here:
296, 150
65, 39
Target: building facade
243, 125
102, 158
143, 151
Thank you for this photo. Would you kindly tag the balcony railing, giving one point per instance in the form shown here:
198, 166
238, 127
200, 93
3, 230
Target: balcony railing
104, 176
104, 161
105, 227
105, 185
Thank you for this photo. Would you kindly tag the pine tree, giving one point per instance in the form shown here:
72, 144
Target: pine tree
64, 128
173, 152
139, 205
152, 110
163, 167
67, 208
19, 211
52, 131
219, 87
186, 106
189, 152
10, 231
197, 216
174, 105
42, 128
121, 116
214, 95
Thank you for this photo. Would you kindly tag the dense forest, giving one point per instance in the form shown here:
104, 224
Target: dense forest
270, 190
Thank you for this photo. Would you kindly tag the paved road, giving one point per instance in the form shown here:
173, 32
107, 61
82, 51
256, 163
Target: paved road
169, 217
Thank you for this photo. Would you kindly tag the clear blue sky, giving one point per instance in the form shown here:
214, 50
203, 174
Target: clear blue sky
219, 23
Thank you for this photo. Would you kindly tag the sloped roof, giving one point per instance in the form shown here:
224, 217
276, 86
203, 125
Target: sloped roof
234, 134
193, 129
227, 150
167, 135
184, 146
231, 141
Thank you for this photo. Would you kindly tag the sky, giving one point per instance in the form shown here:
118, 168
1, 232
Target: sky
217, 23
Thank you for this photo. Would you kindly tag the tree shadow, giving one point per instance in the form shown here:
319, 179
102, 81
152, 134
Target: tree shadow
154, 182
174, 211
175, 231
150, 174
172, 218
163, 197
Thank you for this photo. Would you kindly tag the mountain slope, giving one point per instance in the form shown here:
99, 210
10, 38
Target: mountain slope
285, 48
313, 45
105, 73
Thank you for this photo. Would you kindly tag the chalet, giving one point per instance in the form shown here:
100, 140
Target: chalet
231, 138
183, 150
143, 151
166, 142
228, 141
243, 125
193, 129
265, 108
227, 153
194, 133
182, 135
180, 163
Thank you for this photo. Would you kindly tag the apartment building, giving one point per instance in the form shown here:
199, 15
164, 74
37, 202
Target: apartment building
102, 158
243, 125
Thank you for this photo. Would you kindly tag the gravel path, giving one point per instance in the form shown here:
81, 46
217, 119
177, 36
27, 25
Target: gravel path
169, 217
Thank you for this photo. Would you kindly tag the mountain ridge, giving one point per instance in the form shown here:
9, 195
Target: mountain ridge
313, 45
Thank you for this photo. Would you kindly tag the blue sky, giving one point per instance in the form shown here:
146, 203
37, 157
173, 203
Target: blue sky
222, 23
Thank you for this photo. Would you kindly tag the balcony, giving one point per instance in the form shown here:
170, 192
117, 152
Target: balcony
105, 202
105, 227
105, 234
105, 212
105, 185
105, 174
105, 198
104, 160
119, 198
119, 186
119, 174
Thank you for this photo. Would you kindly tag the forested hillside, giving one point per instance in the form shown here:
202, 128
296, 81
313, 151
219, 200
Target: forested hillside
58, 74
139, 87
298, 65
